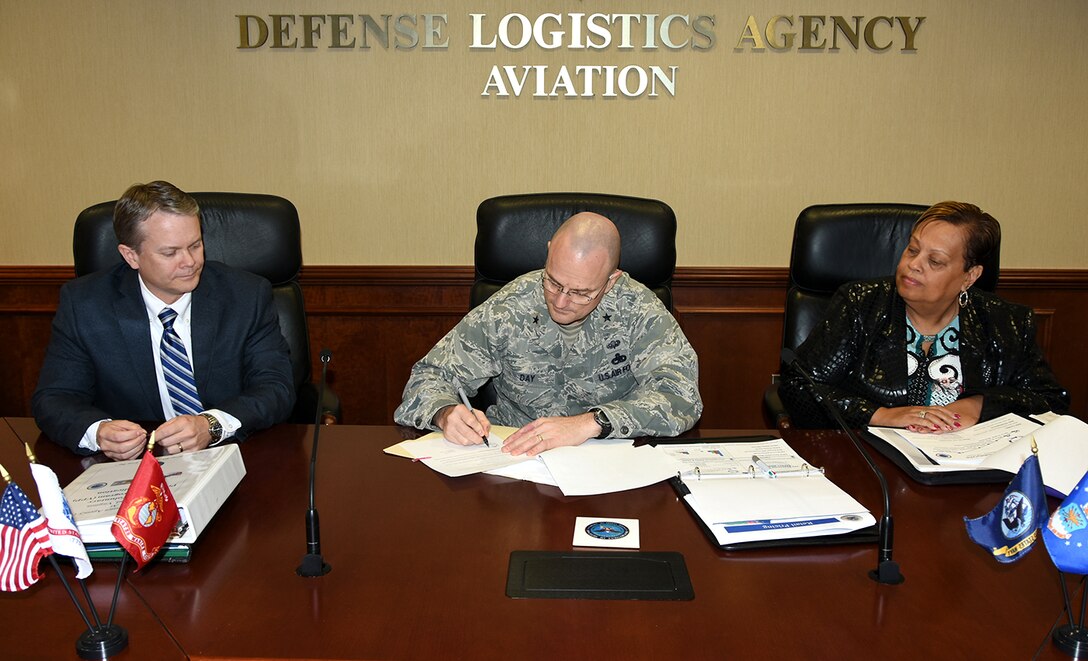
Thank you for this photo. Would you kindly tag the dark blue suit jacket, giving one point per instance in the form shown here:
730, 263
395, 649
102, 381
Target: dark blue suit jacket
99, 363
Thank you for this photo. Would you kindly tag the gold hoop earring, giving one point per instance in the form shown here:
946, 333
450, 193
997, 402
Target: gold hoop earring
963, 298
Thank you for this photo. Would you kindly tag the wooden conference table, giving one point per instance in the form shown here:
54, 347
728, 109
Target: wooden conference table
420, 566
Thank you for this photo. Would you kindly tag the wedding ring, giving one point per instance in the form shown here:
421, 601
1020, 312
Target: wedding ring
922, 414
539, 438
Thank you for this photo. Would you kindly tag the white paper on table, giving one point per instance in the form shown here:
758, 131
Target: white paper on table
403, 449
455, 460
533, 470
606, 466
917, 458
1063, 453
723, 501
1047, 417
970, 446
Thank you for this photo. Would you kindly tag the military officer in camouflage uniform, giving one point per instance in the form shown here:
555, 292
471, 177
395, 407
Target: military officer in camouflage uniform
578, 350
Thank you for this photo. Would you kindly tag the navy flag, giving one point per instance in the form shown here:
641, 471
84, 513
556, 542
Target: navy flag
1011, 529
1066, 533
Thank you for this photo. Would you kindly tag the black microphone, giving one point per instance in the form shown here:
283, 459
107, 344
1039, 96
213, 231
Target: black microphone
312, 563
887, 570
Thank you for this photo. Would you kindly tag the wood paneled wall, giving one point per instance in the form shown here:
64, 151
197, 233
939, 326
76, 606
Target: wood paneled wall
378, 320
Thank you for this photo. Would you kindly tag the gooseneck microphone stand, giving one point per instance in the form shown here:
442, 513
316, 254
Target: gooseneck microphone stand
313, 564
887, 570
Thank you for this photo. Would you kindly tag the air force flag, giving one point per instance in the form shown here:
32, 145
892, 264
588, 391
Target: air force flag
1011, 529
1066, 532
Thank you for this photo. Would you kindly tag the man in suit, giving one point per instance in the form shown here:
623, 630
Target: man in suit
164, 336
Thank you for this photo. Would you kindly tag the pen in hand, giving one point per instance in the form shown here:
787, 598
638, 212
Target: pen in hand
464, 400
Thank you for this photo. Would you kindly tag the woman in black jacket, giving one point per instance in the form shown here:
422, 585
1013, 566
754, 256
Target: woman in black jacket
923, 350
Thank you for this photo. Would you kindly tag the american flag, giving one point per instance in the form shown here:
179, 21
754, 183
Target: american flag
24, 540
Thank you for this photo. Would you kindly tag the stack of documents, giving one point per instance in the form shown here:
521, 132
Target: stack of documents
1002, 443
453, 460
596, 466
752, 492
607, 465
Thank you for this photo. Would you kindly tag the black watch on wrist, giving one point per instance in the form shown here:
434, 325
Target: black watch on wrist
602, 421
214, 428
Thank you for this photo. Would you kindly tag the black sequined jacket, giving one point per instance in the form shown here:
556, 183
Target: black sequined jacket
858, 356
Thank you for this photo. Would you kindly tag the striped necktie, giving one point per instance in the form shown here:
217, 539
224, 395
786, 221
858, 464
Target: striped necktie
176, 369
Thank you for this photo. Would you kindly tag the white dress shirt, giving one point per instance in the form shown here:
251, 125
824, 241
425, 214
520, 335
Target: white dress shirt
183, 327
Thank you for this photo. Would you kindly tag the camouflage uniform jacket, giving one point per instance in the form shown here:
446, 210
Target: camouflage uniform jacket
631, 359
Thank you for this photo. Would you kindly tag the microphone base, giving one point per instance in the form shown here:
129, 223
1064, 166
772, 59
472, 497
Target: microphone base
312, 566
1072, 640
887, 573
102, 642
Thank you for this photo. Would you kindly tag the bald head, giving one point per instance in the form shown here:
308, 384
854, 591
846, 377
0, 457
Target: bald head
585, 233
582, 259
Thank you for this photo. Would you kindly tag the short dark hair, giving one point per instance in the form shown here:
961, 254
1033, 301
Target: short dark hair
981, 232
142, 200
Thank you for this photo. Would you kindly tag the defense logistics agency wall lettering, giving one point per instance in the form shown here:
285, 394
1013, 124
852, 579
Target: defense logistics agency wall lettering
580, 34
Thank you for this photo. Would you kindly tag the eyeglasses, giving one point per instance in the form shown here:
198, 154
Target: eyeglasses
576, 297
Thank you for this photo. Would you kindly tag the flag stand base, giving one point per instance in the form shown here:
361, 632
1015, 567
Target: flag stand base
1072, 640
102, 643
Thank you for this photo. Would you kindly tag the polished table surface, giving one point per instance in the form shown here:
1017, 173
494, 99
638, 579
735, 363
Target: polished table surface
42, 622
420, 563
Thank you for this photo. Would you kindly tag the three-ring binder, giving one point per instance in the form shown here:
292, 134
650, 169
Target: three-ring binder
804, 471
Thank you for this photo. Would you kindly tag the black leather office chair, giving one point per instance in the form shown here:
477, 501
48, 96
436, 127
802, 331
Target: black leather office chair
512, 234
838, 243
256, 233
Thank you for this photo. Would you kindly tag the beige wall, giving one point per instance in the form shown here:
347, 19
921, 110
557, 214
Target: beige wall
387, 153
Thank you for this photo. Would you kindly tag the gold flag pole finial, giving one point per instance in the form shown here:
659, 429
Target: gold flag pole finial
5, 474
150, 441
30, 454
1034, 447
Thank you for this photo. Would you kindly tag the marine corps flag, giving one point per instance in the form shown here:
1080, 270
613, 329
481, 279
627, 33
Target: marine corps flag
1011, 529
1066, 532
147, 514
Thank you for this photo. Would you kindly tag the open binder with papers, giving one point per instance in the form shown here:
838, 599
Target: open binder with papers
990, 451
759, 494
